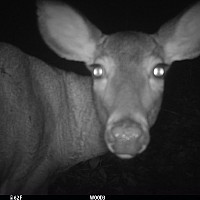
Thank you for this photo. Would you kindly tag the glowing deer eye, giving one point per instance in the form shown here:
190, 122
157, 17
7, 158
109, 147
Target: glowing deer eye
98, 71
160, 70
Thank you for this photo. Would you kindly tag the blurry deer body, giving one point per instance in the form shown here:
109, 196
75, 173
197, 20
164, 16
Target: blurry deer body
59, 119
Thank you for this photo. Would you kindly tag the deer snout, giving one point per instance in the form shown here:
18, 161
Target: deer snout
126, 138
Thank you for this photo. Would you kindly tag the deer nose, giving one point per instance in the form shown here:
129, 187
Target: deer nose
127, 138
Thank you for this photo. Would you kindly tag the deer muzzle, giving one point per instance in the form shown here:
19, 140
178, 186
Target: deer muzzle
126, 138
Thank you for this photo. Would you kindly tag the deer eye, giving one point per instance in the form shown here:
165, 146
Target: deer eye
97, 71
159, 71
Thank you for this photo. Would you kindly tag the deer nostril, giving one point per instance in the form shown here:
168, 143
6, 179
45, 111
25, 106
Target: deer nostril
125, 133
127, 139
143, 147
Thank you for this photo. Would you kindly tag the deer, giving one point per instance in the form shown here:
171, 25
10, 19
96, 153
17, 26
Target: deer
52, 119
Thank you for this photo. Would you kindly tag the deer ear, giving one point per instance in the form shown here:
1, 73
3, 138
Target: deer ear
66, 32
180, 38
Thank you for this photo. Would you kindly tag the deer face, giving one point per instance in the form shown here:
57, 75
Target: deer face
128, 90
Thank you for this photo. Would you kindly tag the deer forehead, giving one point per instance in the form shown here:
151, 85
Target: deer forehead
126, 51
127, 58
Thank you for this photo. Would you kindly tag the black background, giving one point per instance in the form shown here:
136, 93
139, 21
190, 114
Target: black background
171, 163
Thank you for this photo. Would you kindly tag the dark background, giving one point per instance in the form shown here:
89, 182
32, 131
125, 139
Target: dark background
171, 163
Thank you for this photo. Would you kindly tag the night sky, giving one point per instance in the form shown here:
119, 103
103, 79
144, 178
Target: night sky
171, 163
